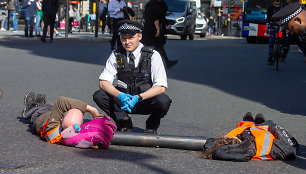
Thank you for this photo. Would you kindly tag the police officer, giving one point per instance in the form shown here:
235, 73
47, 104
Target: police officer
140, 85
288, 39
294, 17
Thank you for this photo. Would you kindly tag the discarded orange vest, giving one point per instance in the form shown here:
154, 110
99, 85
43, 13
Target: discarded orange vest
263, 138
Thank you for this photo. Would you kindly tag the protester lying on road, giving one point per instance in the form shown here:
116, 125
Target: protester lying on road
253, 139
49, 120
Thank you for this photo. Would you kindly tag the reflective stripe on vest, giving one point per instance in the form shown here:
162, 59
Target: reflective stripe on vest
264, 140
53, 136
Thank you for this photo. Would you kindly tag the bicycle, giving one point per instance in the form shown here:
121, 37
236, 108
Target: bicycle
277, 46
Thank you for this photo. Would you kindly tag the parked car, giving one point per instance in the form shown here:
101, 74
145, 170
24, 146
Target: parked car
201, 25
181, 16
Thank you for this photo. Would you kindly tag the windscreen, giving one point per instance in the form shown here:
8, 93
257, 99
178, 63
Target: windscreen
176, 5
256, 10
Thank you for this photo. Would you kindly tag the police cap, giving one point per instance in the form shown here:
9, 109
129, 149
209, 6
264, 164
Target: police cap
129, 27
284, 15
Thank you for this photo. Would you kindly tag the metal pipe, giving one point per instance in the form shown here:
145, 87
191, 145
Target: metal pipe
159, 141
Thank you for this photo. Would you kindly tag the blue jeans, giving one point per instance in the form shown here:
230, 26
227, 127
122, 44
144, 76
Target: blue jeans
13, 20
211, 30
37, 25
29, 22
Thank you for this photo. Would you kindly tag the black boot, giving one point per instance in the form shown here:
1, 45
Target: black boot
248, 117
124, 125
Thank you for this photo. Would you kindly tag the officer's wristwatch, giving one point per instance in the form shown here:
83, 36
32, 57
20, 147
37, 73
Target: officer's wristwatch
139, 98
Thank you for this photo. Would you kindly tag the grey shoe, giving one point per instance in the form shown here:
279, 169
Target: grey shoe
40, 99
29, 100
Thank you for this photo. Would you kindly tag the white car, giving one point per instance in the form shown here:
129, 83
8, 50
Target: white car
201, 25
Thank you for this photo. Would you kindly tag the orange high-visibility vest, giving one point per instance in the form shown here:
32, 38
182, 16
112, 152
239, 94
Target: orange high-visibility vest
52, 136
263, 138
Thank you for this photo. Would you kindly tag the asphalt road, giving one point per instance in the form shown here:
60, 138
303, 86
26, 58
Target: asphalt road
215, 82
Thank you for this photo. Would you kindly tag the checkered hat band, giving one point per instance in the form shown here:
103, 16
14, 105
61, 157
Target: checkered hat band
129, 27
288, 18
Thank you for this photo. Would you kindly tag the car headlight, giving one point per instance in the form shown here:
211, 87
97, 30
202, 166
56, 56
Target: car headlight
180, 19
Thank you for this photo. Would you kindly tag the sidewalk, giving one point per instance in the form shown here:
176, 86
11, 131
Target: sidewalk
80, 36
90, 36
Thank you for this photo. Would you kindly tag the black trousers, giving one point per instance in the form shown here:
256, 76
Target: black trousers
48, 20
103, 19
115, 37
157, 107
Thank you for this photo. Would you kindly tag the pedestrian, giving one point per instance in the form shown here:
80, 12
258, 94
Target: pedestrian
141, 82
30, 9
13, 12
3, 14
49, 8
211, 24
116, 10
48, 120
155, 28
253, 139
103, 5
38, 18
272, 28
93, 19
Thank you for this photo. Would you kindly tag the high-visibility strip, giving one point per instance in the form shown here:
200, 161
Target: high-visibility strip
264, 147
43, 130
54, 135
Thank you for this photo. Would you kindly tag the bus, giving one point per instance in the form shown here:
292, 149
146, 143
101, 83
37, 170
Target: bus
255, 19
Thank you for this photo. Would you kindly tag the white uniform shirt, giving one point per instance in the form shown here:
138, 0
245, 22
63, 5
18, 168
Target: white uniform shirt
114, 9
158, 72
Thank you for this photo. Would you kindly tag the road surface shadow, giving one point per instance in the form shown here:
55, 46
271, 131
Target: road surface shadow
220, 64
300, 161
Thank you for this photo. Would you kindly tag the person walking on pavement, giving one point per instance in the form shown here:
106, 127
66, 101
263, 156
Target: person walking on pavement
38, 18
116, 10
155, 27
141, 82
49, 8
13, 11
211, 24
3, 15
48, 120
30, 9
102, 14
74, 15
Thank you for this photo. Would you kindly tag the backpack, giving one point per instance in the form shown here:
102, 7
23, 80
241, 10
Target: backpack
96, 133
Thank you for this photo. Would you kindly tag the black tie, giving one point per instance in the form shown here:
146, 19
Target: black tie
131, 62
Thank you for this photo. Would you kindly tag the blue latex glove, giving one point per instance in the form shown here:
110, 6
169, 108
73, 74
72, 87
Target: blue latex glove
133, 101
126, 108
123, 97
